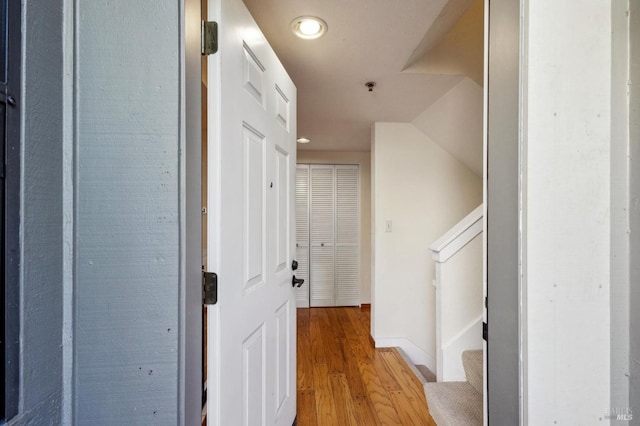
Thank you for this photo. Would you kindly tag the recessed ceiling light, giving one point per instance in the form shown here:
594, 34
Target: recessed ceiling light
308, 27
303, 140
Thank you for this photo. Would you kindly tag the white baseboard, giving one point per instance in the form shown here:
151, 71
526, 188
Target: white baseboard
417, 355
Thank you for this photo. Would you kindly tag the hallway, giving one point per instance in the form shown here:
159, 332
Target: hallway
344, 380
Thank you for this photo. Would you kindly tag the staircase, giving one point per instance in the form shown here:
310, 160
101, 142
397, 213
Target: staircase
458, 403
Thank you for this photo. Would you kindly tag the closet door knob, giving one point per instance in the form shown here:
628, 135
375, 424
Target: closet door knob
294, 265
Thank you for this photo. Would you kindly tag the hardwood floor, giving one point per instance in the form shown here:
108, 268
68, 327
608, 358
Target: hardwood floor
344, 380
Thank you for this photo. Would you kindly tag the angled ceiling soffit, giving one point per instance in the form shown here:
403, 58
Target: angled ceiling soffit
454, 44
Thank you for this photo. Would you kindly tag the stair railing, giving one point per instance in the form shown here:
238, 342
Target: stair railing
458, 281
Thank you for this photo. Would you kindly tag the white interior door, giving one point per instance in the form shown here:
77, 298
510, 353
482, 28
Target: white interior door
252, 156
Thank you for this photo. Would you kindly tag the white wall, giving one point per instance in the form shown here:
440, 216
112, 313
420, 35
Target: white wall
424, 191
455, 122
566, 172
363, 159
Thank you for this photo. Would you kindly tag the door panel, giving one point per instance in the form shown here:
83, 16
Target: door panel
302, 234
283, 108
322, 277
251, 158
322, 205
254, 207
347, 236
253, 378
347, 205
253, 72
283, 216
283, 360
347, 275
322, 230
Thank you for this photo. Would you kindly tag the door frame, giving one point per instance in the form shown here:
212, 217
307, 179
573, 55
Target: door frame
190, 382
502, 191
633, 126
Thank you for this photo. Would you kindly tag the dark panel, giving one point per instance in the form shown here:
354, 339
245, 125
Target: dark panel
41, 233
11, 219
3, 208
502, 214
3, 41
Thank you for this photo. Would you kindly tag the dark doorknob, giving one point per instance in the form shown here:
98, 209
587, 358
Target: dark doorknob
297, 281
294, 265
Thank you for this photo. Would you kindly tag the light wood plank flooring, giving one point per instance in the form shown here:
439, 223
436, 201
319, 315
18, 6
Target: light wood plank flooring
344, 380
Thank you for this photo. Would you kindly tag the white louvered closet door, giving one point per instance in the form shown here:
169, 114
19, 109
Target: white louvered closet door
347, 253
302, 234
322, 231
334, 211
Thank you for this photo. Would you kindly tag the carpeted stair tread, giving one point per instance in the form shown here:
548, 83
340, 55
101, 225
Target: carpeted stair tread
454, 403
472, 362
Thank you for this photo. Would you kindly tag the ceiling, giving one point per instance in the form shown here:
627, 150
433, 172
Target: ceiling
384, 41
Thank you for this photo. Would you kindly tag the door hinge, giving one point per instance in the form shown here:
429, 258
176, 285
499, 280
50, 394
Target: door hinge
209, 288
485, 332
209, 37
